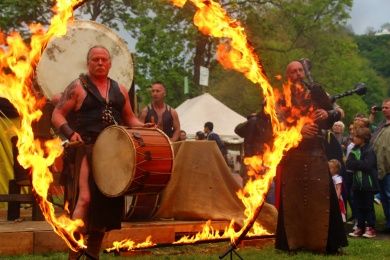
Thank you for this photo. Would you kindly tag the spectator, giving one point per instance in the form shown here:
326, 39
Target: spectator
338, 131
200, 135
362, 162
334, 169
183, 135
381, 144
210, 135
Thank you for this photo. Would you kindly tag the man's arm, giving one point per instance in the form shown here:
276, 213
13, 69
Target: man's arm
128, 115
67, 103
176, 126
143, 114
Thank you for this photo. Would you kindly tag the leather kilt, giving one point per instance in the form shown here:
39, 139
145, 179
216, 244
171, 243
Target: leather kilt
104, 213
307, 195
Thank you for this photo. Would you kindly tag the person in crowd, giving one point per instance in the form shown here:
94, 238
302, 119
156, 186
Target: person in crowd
183, 135
161, 114
334, 169
362, 163
210, 135
338, 131
200, 135
309, 216
359, 121
381, 144
257, 133
95, 101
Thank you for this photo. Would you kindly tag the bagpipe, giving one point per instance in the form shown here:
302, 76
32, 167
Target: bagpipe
319, 96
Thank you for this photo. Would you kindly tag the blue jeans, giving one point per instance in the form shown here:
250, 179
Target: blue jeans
385, 197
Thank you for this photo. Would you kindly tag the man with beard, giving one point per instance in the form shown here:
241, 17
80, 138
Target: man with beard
309, 216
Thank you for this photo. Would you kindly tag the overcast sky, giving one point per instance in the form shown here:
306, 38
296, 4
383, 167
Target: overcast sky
369, 13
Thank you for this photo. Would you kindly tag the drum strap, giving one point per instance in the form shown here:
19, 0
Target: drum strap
84, 81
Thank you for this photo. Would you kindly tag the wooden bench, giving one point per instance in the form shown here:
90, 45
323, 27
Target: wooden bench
15, 199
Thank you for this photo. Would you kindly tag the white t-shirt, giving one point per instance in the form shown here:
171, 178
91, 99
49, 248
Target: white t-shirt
337, 179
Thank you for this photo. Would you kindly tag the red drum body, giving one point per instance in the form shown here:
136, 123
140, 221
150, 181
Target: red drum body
131, 160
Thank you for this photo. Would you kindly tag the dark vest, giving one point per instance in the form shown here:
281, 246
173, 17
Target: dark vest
89, 120
167, 119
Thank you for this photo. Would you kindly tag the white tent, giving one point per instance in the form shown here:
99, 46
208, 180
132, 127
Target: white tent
193, 113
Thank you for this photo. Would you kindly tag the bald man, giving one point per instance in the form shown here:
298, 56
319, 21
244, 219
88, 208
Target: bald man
159, 113
309, 216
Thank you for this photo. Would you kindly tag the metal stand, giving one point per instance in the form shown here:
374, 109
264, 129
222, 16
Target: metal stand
236, 241
230, 252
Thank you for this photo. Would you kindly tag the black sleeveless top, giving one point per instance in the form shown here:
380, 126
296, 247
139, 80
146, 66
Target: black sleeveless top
167, 119
89, 120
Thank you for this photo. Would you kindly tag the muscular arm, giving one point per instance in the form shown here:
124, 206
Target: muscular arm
69, 101
128, 115
176, 126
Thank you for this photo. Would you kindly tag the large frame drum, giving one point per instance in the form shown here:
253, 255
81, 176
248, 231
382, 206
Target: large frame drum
65, 58
131, 160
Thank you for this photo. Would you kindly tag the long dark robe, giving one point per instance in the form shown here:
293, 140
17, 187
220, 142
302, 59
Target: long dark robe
309, 216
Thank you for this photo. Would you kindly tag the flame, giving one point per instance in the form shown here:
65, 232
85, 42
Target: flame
17, 63
18, 60
235, 52
130, 245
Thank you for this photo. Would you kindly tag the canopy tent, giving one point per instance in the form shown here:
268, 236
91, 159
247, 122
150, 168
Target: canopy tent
193, 113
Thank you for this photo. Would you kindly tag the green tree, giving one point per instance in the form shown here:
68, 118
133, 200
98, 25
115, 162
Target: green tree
376, 50
16, 14
164, 49
282, 31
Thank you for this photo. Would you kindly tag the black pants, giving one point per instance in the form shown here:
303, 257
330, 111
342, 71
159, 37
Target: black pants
364, 206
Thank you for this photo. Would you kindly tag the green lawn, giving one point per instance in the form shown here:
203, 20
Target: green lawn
359, 248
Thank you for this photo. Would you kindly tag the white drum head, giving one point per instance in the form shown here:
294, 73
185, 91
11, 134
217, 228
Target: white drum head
113, 161
65, 58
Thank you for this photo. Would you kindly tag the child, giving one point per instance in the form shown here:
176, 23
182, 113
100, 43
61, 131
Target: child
334, 169
362, 162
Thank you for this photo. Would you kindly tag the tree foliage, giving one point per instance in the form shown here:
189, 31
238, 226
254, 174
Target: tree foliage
376, 50
169, 47
16, 14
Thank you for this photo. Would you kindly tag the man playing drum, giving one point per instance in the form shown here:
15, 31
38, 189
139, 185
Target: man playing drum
94, 101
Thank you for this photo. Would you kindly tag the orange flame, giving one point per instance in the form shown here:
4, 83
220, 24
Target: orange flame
17, 63
130, 245
235, 52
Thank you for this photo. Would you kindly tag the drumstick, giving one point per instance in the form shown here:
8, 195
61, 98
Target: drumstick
68, 144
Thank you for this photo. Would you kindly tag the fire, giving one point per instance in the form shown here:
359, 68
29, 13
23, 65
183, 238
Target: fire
235, 52
17, 63
130, 245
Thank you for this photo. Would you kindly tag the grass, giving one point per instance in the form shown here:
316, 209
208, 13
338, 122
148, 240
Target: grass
359, 248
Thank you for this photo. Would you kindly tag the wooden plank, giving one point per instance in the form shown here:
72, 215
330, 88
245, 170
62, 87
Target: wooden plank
48, 241
24, 198
159, 235
258, 242
16, 243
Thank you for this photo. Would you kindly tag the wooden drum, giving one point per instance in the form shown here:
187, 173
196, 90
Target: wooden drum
131, 160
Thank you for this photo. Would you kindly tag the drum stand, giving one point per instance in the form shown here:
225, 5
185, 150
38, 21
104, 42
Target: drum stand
230, 252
